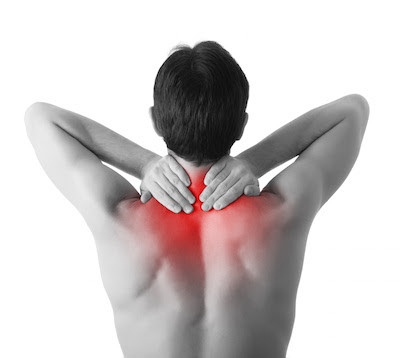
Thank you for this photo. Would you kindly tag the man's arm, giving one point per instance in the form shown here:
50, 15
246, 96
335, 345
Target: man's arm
71, 149
326, 140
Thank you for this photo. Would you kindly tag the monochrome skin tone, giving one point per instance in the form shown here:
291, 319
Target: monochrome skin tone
187, 280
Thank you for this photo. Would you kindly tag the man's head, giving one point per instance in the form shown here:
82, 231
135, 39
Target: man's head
200, 99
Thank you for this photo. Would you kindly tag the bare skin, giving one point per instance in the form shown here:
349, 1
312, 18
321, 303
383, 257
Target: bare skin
203, 281
211, 283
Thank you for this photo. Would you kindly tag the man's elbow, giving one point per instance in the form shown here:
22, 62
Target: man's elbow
359, 113
36, 111
360, 106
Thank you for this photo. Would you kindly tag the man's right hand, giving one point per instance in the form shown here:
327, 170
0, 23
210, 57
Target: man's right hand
166, 181
226, 181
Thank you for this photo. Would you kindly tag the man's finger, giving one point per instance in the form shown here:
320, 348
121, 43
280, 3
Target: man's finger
214, 170
221, 190
252, 190
174, 194
213, 185
165, 199
176, 181
178, 170
229, 197
145, 196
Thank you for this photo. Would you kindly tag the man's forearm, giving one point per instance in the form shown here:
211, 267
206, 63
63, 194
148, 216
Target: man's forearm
290, 140
106, 144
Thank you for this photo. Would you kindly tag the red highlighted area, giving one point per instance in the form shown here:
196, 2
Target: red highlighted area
220, 249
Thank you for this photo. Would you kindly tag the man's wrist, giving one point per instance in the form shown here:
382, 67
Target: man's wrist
249, 164
148, 159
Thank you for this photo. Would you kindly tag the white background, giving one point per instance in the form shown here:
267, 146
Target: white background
100, 59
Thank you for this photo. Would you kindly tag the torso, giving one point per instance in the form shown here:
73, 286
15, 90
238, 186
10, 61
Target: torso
206, 284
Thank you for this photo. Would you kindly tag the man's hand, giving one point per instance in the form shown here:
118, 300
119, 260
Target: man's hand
226, 181
167, 182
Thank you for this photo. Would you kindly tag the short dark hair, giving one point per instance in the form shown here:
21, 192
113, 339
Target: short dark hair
200, 99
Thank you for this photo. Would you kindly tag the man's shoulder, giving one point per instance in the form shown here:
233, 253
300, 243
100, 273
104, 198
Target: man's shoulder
265, 201
253, 210
261, 214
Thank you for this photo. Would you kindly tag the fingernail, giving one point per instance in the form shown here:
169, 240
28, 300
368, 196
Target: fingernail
205, 207
192, 200
201, 198
217, 206
188, 209
176, 209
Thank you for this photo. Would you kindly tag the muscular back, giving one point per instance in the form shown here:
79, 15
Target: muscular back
208, 284
205, 284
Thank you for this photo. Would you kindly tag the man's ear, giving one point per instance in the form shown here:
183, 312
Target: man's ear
151, 112
246, 117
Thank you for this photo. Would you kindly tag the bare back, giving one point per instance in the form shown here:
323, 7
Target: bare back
208, 284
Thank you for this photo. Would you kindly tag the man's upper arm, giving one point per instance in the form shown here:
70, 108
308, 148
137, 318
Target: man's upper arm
92, 187
324, 165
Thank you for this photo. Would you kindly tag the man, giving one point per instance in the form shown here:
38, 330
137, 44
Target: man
201, 282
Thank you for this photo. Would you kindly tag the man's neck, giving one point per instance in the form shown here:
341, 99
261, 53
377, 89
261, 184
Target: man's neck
196, 174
